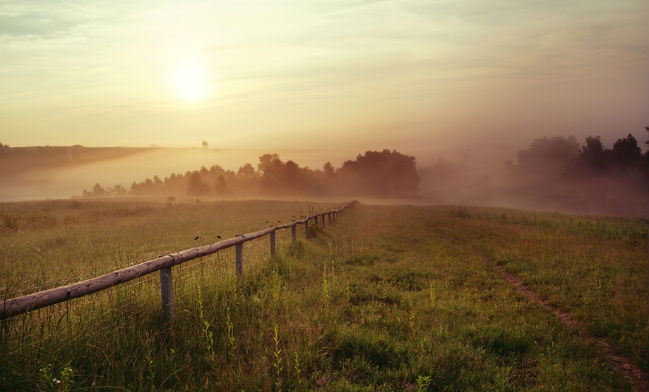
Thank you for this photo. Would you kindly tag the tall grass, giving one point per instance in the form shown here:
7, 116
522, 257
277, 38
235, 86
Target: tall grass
408, 307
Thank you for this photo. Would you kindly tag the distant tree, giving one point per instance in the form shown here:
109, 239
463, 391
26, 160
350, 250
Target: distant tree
97, 191
593, 156
204, 144
221, 185
550, 154
267, 161
328, 170
626, 151
381, 173
196, 185
646, 153
118, 190
246, 171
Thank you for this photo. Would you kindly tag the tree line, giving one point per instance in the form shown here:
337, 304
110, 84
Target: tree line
559, 173
374, 173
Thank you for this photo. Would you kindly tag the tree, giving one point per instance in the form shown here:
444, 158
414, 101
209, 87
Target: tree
204, 144
246, 171
626, 151
381, 173
549, 152
593, 155
97, 191
328, 170
196, 185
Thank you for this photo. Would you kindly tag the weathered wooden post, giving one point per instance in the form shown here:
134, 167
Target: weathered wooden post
293, 232
316, 220
323, 220
306, 228
167, 292
239, 258
329, 217
272, 243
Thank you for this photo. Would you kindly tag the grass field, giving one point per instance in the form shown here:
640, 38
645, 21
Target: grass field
391, 298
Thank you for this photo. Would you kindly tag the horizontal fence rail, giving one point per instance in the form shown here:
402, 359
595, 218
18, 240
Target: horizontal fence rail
19, 305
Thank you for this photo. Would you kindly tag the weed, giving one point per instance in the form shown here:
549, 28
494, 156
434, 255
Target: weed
423, 383
231, 340
297, 368
10, 222
277, 360
325, 289
432, 297
206, 328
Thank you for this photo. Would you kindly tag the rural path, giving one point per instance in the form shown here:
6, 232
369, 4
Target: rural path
638, 379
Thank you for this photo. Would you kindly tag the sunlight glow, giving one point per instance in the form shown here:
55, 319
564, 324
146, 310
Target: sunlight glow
190, 81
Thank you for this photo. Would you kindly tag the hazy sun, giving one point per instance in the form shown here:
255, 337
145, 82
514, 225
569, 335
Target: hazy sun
190, 81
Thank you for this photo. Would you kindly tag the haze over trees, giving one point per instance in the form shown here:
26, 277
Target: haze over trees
375, 173
553, 173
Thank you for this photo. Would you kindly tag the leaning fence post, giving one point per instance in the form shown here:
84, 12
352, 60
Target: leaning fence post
239, 258
316, 220
293, 233
306, 228
272, 243
167, 292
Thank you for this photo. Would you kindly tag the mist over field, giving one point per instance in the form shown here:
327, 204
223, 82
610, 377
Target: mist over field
32, 180
552, 173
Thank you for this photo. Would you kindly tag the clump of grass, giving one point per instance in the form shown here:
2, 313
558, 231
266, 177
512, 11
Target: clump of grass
423, 383
10, 222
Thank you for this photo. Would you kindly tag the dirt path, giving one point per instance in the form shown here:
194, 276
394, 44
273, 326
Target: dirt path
634, 375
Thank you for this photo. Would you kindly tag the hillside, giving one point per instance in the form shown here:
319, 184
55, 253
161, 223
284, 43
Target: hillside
15, 161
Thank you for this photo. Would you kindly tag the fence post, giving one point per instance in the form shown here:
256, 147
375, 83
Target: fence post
329, 217
239, 257
323, 220
316, 220
167, 292
272, 243
293, 233
306, 228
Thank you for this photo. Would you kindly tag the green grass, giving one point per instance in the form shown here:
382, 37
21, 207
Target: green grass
392, 298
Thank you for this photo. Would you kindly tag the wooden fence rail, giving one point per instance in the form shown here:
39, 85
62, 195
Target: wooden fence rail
27, 303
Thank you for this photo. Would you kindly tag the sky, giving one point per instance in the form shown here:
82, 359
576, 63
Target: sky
422, 76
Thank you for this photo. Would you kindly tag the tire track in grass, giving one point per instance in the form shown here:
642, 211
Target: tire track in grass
618, 363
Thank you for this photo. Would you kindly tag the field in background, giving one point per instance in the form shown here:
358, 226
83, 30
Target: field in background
391, 298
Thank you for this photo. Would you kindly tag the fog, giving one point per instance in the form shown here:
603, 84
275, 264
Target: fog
70, 180
552, 173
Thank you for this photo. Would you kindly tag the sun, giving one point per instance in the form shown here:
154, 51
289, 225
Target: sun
190, 81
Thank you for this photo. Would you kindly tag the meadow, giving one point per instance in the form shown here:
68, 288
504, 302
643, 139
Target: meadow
389, 298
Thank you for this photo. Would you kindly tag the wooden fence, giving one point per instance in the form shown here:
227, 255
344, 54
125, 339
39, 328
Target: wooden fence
27, 303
